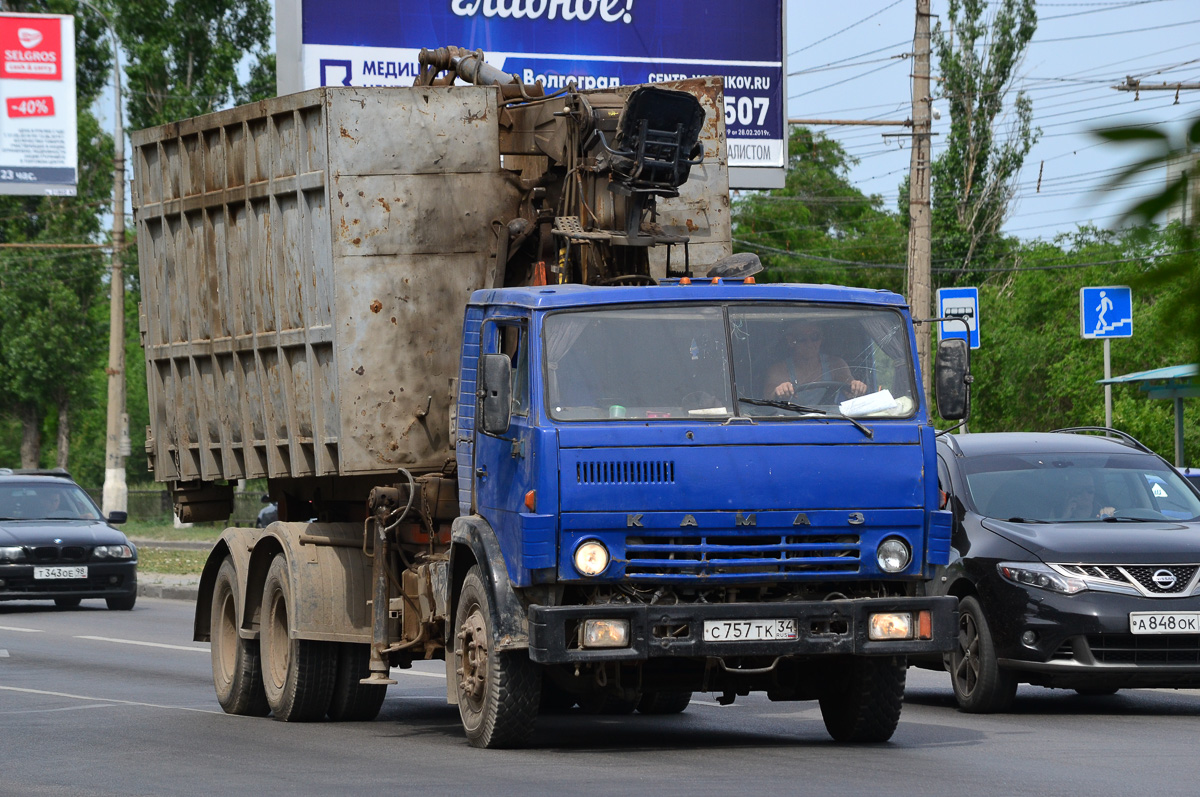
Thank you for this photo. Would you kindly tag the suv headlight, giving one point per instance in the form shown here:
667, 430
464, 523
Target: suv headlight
1035, 574
112, 552
12, 554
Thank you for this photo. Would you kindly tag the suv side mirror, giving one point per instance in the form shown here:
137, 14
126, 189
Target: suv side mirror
495, 392
952, 374
117, 517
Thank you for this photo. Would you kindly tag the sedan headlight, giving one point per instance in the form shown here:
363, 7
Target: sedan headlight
1035, 574
13, 553
112, 552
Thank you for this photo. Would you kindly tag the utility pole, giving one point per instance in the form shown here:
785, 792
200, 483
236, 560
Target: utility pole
920, 229
116, 491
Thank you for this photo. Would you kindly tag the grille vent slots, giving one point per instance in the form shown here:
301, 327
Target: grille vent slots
627, 472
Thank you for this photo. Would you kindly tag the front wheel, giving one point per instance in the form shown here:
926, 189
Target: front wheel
66, 603
981, 686
863, 700
237, 671
498, 692
121, 603
298, 674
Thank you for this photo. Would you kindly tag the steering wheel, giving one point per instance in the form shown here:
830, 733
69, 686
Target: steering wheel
630, 279
829, 391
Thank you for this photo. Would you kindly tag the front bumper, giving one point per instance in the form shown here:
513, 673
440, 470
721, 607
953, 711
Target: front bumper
824, 628
1085, 639
104, 580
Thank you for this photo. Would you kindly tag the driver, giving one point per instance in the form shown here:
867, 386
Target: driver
806, 363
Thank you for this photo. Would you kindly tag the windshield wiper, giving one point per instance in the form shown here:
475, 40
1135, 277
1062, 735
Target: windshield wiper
1025, 520
787, 405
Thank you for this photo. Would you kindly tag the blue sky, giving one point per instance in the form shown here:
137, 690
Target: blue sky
845, 61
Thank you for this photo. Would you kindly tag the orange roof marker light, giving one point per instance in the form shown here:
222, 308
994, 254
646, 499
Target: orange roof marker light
685, 280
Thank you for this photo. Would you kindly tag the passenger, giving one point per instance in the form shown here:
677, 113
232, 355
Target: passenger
1080, 502
806, 363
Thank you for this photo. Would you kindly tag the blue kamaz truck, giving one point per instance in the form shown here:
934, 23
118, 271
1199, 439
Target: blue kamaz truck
521, 410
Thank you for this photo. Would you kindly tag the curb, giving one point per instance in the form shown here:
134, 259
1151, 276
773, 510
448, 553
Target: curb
175, 592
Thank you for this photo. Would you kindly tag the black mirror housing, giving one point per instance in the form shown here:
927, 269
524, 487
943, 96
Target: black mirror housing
952, 375
117, 517
495, 392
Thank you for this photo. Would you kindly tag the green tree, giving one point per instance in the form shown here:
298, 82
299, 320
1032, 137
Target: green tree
973, 180
183, 59
1180, 273
47, 333
819, 227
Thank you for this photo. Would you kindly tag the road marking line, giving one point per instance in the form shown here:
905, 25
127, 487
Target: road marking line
104, 699
144, 644
25, 630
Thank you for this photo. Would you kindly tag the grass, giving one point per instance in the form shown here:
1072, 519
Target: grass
171, 561
164, 530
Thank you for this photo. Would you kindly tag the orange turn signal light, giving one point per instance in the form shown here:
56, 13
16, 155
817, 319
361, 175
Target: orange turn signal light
531, 500
924, 625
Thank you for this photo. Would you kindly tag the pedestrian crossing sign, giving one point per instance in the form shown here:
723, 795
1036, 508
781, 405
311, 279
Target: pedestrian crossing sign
1106, 312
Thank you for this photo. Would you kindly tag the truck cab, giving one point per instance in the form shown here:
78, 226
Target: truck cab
669, 516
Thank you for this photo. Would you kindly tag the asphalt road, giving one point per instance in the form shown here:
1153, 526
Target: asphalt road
94, 702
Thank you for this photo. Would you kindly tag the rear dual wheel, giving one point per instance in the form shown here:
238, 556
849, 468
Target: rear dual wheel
237, 671
298, 674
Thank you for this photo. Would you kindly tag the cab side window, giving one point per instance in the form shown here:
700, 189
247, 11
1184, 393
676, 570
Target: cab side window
514, 342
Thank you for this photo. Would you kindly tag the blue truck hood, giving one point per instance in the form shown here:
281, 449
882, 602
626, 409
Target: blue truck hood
776, 466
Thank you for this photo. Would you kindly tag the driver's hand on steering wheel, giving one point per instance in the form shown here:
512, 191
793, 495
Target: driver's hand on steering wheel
784, 390
857, 388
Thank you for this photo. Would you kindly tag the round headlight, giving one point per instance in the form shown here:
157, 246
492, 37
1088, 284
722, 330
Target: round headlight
591, 558
893, 555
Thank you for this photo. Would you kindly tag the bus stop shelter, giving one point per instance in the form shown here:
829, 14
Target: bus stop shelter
1175, 382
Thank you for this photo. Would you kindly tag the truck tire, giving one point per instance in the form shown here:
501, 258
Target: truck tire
664, 702
298, 674
498, 692
237, 671
352, 700
980, 685
864, 699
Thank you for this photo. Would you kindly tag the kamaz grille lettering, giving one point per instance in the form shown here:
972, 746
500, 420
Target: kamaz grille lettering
739, 555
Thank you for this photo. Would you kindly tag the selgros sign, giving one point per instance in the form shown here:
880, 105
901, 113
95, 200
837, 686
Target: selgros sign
596, 44
38, 134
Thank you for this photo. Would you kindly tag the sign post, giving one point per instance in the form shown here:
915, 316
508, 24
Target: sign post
959, 303
1106, 312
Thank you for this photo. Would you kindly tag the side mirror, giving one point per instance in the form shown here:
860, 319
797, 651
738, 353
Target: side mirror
495, 392
953, 379
117, 517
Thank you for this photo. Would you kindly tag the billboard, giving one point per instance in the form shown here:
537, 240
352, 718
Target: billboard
38, 134
596, 44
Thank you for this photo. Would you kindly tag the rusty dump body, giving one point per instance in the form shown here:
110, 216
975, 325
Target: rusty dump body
305, 262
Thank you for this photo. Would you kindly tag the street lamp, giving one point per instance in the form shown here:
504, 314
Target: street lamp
116, 492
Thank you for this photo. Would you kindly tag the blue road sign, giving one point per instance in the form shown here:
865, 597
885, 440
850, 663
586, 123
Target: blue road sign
959, 303
1106, 312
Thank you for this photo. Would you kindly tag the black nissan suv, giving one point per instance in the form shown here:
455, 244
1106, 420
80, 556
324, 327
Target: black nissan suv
56, 544
1076, 559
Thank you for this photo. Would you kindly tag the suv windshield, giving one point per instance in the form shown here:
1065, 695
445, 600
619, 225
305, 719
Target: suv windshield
64, 501
1078, 487
780, 361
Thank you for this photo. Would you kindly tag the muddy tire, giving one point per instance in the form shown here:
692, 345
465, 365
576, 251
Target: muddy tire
664, 702
121, 603
498, 693
66, 603
981, 686
864, 699
298, 674
353, 701
237, 671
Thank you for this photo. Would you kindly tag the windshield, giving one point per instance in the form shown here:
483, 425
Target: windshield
1078, 487
783, 362
64, 501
